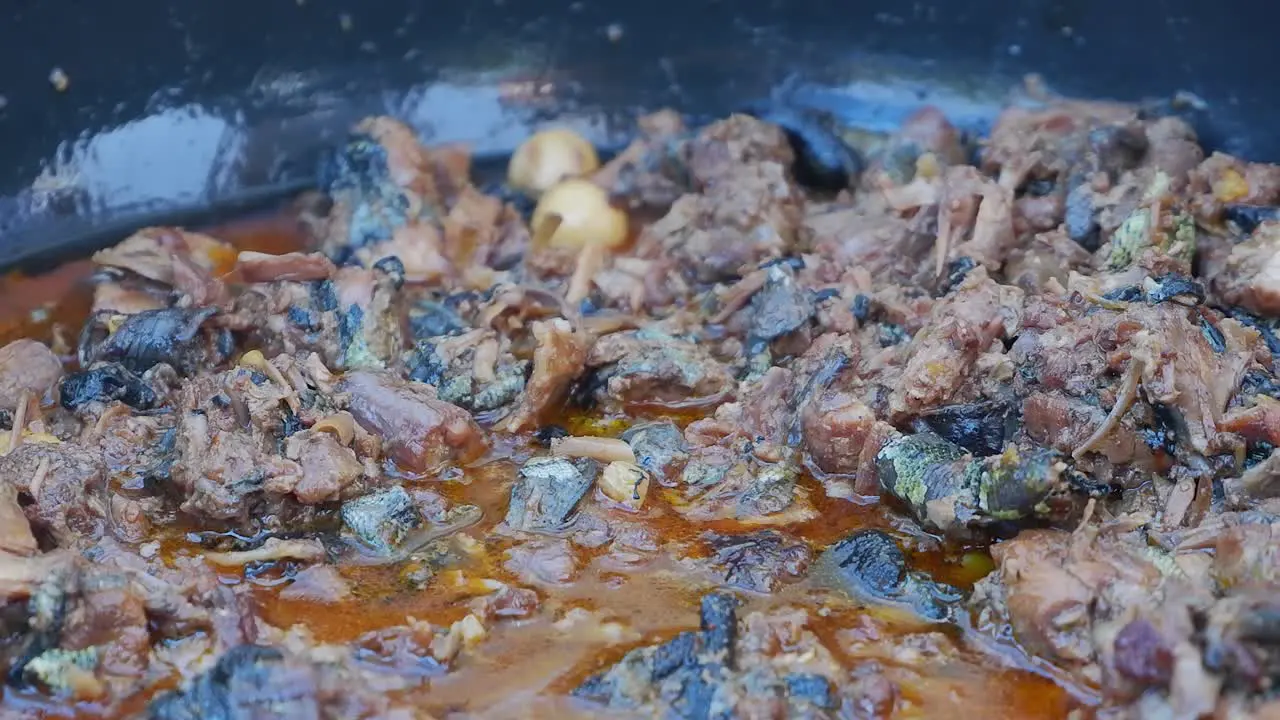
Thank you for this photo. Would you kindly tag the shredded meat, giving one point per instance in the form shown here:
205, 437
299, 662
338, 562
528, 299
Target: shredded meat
987, 423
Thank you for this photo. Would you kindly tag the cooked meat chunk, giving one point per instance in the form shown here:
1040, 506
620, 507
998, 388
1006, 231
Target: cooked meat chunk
259, 681
760, 562
66, 487
1251, 277
419, 431
182, 262
347, 319
559, 358
26, 368
177, 337
546, 492
648, 367
764, 663
474, 370
941, 357
869, 564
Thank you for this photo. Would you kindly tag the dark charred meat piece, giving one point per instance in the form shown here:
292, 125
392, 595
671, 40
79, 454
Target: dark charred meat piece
1176, 288
473, 371
1212, 334
684, 672
651, 367
382, 519
1081, 225
759, 562
733, 667
429, 319
956, 271
1128, 293
869, 564
106, 383
258, 681
547, 491
658, 446
823, 160
358, 174
981, 428
1248, 217
780, 307
173, 336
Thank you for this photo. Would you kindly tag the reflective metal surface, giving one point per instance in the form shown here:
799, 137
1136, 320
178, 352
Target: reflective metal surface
177, 109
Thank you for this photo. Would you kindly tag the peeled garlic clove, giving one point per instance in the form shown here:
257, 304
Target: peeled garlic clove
625, 483
548, 157
597, 448
584, 216
253, 359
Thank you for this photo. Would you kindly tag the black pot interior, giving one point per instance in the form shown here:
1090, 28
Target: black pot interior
176, 112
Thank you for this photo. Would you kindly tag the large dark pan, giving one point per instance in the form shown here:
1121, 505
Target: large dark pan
178, 112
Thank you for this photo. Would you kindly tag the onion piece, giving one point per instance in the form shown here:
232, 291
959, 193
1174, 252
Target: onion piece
625, 483
340, 424
548, 157
272, 549
585, 214
596, 448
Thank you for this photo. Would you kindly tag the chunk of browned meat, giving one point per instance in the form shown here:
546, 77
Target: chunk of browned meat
836, 426
188, 262
26, 366
1251, 276
941, 357
348, 319
559, 358
256, 267
1056, 136
1106, 607
419, 431
652, 172
760, 561
763, 416
735, 225
151, 252
888, 247
1064, 423
648, 367
328, 469
220, 468
1226, 179
724, 148
67, 489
